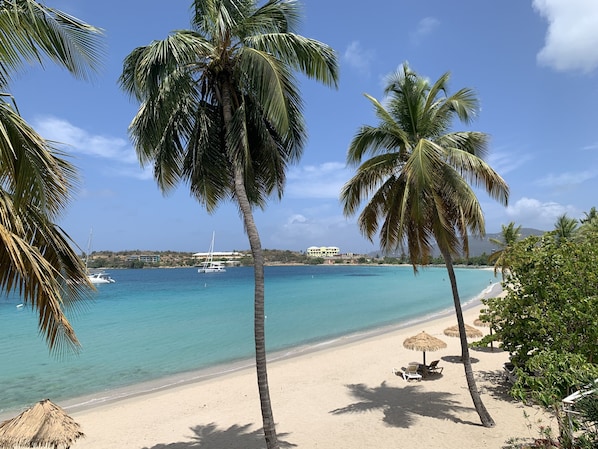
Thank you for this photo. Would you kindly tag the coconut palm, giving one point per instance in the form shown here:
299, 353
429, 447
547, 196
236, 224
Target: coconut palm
509, 235
416, 182
564, 227
220, 110
36, 256
590, 216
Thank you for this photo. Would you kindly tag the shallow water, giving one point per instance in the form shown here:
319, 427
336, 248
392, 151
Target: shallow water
155, 323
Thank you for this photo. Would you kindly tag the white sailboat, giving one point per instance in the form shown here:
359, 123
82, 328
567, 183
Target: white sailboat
209, 266
96, 277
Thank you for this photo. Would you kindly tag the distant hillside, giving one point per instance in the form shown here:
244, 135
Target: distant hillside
477, 246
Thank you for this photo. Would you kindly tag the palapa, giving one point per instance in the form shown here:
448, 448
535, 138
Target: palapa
424, 342
470, 331
481, 323
43, 425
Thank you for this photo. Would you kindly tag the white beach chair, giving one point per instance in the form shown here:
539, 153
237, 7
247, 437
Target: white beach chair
408, 374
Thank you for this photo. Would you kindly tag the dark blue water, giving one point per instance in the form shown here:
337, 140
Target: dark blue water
155, 323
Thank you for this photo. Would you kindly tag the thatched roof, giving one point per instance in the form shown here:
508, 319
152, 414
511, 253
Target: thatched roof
470, 331
424, 342
481, 323
43, 425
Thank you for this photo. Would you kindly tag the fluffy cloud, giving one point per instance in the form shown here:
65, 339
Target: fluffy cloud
572, 36
532, 213
79, 141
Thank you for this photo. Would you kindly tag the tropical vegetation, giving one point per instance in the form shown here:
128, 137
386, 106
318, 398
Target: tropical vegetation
547, 319
417, 181
220, 110
509, 235
36, 180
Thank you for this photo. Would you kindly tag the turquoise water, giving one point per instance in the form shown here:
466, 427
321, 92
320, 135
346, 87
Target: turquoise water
156, 323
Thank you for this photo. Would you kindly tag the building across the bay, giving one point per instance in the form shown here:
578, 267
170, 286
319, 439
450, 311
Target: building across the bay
323, 251
146, 258
228, 257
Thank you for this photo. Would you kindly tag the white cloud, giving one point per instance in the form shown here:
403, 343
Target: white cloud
504, 162
425, 27
532, 213
358, 57
79, 141
567, 179
572, 36
323, 181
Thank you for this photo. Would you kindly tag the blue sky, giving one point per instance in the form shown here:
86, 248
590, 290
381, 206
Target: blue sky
532, 63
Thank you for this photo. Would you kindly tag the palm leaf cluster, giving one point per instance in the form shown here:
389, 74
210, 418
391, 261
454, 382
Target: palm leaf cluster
36, 181
220, 110
417, 181
236, 55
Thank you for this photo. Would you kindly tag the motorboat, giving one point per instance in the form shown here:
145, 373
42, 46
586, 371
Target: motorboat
96, 277
100, 278
209, 266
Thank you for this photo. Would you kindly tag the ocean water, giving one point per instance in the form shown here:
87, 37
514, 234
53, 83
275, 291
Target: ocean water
156, 323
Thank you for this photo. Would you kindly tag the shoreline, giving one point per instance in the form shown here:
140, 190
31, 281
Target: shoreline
342, 393
115, 395
140, 389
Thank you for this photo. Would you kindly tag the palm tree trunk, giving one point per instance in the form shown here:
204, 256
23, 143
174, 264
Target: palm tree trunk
259, 301
485, 417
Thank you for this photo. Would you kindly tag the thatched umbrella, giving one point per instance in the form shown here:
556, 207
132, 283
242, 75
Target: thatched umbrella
43, 425
470, 331
424, 342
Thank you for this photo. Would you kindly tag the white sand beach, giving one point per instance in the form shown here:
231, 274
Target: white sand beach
343, 395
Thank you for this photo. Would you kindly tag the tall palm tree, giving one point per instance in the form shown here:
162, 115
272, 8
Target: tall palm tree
36, 257
417, 180
221, 110
564, 227
509, 235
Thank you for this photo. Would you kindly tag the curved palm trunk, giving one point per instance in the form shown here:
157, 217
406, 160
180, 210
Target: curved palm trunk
485, 417
258, 270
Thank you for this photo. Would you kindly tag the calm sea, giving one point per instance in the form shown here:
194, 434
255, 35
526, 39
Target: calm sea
153, 324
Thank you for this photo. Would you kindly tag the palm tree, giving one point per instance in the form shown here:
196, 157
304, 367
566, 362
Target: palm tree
590, 216
416, 181
564, 227
509, 235
36, 256
589, 226
221, 111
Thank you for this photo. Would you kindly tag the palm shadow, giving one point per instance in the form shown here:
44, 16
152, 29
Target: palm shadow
458, 359
210, 437
401, 406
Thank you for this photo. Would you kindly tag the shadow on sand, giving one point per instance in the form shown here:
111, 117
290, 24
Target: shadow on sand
210, 437
401, 406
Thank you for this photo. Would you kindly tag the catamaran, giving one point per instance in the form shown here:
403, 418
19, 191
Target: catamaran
209, 266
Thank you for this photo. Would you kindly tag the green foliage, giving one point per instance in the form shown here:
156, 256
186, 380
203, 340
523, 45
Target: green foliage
549, 376
546, 307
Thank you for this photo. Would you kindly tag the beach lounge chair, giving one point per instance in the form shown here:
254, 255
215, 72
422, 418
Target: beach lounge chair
510, 372
434, 368
408, 374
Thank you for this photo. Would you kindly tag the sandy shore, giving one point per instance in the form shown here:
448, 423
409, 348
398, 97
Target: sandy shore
338, 396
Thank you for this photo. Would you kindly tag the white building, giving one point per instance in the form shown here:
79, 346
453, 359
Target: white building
323, 251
